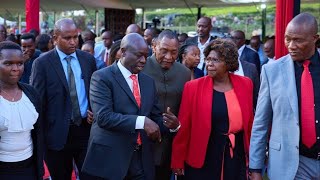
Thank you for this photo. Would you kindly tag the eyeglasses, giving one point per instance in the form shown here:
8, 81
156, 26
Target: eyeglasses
212, 60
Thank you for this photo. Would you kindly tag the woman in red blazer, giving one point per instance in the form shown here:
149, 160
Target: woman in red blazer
216, 115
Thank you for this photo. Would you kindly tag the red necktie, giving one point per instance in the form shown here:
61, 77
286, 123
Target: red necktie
136, 94
307, 107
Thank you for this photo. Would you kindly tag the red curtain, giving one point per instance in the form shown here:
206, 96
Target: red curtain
284, 13
32, 14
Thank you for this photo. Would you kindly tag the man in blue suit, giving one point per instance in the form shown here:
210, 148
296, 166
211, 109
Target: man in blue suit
127, 119
62, 78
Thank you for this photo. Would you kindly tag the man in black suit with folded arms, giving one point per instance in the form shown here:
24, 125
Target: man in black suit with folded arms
62, 78
127, 119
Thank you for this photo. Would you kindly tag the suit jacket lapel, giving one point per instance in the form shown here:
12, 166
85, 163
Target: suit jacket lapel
56, 64
243, 54
144, 90
244, 69
122, 82
288, 75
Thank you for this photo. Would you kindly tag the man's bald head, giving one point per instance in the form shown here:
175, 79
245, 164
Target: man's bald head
133, 28
131, 40
306, 21
63, 24
301, 36
66, 36
134, 51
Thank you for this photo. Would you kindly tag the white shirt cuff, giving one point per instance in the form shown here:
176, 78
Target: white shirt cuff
175, 130
140, 122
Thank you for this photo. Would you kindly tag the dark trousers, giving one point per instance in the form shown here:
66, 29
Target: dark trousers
60, 162
135, 171
22, 170
163, 169
163, 172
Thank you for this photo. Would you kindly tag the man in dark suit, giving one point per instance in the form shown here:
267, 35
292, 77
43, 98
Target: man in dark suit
250, 71
204, 27
148, 35
62, 78
127, 119
170, 77
245, 53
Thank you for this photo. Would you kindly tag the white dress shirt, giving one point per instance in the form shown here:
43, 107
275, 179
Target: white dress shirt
202, 47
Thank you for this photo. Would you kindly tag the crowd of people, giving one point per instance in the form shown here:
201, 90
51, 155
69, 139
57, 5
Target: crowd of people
156, 105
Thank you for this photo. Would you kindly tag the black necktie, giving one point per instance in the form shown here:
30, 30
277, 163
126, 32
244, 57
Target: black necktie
76, 115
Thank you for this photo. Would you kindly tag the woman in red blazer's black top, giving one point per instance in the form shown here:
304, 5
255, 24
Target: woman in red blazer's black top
216, 115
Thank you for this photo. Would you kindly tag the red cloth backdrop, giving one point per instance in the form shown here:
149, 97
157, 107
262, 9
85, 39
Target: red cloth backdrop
32, 14
285, 11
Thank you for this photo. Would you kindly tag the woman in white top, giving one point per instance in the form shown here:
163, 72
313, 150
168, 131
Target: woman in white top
21, 141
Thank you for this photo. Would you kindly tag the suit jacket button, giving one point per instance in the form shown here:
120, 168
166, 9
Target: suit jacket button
297, 147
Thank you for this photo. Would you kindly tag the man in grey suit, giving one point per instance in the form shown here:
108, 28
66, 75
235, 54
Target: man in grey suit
170, 77
282, 105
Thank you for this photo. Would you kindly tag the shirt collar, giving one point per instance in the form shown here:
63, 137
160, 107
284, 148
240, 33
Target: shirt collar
62, 55
124, 71
204, 43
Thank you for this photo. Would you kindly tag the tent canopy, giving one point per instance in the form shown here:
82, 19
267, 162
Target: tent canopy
10, 8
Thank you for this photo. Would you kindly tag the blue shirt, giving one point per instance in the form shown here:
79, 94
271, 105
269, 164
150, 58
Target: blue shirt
80, 86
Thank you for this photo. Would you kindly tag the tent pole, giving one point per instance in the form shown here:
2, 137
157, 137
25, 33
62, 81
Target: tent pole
143, 18
199, 12
19, 23
97, 22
